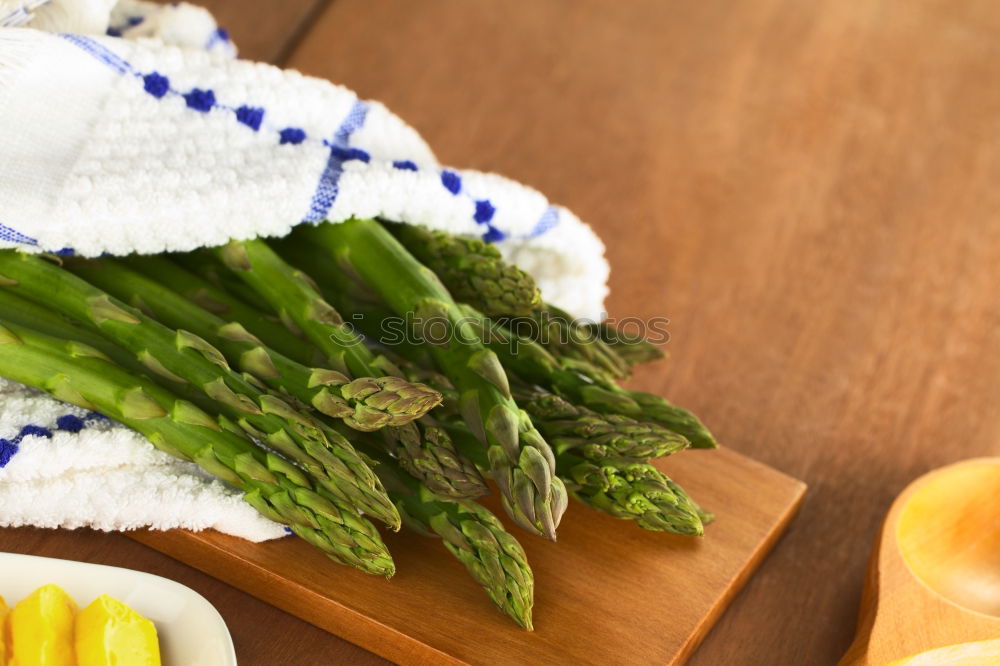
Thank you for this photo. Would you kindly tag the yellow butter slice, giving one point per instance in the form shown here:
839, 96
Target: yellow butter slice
109, 633
41, 629
4, 610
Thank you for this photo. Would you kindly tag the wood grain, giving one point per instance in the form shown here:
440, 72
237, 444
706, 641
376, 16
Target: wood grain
265, 30
807, 189
607, 592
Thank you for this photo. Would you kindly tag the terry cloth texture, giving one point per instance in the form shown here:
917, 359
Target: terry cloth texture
131, 127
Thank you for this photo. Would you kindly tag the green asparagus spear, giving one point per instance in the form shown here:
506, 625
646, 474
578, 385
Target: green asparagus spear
183, 356
17, 310
205, 264
472, 534
566, 338
293, 295
622, 488
597, 436
366, 403
81, 375
632, 491
521, 462
348, 293
221, 303
678, 419
473, 271
425, 451
565, 425
421, 448
573, 380
633, 349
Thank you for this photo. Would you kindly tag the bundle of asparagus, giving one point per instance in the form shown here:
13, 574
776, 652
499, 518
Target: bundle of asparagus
241, 359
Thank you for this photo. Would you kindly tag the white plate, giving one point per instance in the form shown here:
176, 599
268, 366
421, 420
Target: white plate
191, 631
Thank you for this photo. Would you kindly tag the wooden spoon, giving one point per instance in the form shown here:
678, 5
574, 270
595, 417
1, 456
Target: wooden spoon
934, 576
980, 653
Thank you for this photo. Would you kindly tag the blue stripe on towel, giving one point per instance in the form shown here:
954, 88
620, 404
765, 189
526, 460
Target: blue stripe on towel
99, 51
17, 17
354, 121
549, 220
67, 422
327, 189
14, 236
254, 118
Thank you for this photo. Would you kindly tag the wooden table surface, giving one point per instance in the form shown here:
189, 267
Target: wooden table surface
807, 189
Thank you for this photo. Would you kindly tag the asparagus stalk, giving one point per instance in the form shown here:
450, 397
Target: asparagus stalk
632, 491
366, 404
598, 436
633, 349
427, 453
565, 338
425, 450
422, 449
472, 534
473, 271
205, 264
81, 375
622, 488
219, 302
577, 383
182, 356
678, 419
369, 313
294, 296
29, 314
478, 539
565, 425
521, 462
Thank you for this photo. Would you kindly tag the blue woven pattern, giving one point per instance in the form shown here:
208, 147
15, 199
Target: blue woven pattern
340, 152
549, 220
67, 422
203, 100
14, 236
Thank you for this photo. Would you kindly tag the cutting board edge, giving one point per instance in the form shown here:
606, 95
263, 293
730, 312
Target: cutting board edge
340, 620
743, 577
200, 551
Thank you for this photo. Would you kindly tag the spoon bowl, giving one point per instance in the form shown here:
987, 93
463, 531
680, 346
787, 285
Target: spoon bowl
949, 535
934, 575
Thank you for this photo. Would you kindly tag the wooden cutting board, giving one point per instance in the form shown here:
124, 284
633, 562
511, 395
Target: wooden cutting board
607, 592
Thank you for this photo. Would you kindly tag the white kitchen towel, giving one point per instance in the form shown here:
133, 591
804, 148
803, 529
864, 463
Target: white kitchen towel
149, 136
113, 145
62, 466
